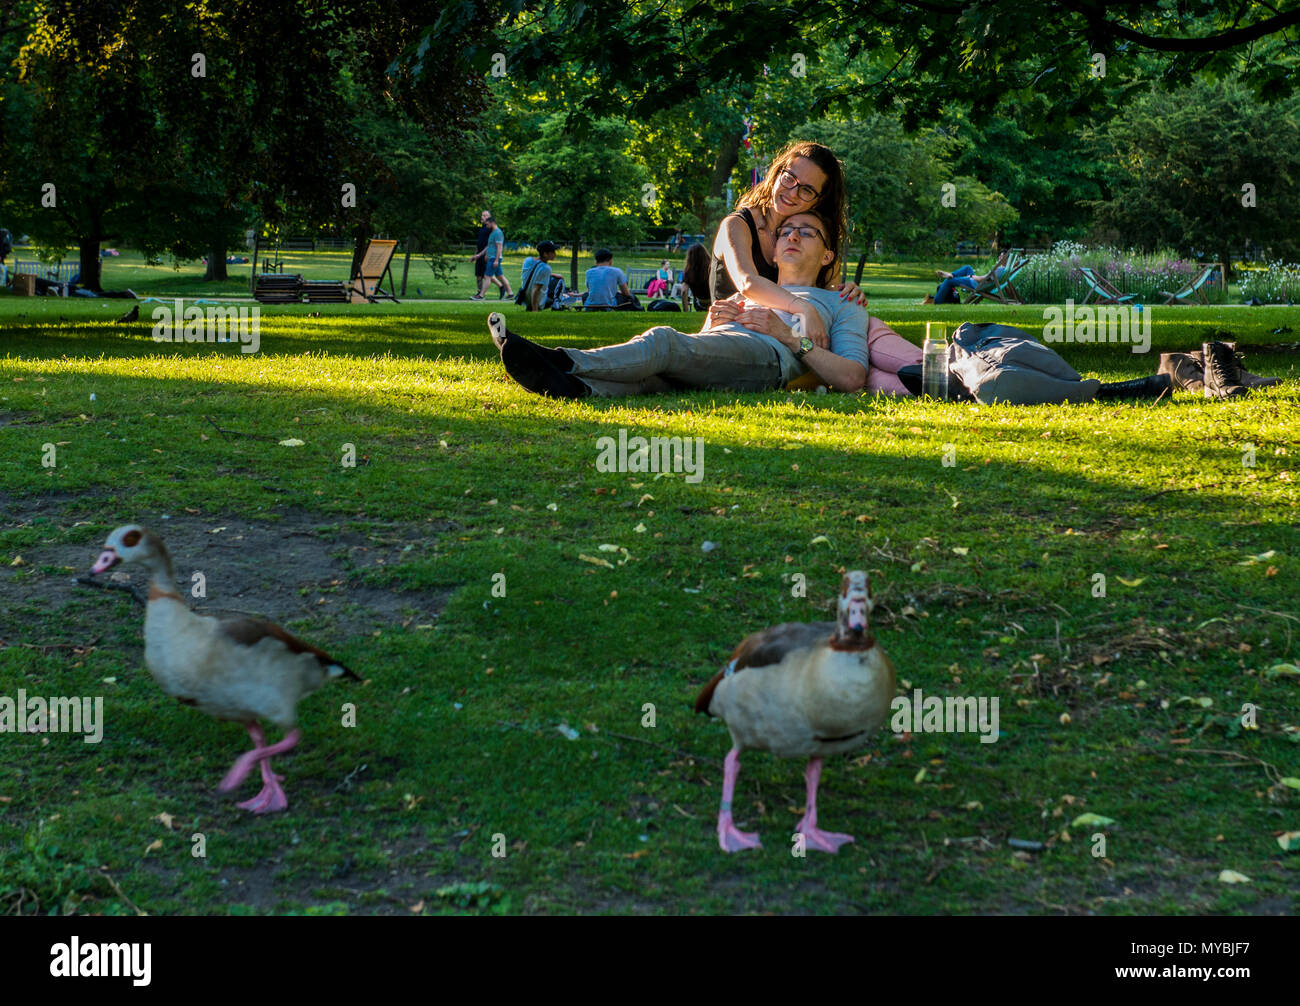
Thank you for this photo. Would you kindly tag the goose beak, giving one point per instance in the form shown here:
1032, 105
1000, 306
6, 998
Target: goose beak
857, 620
107, 560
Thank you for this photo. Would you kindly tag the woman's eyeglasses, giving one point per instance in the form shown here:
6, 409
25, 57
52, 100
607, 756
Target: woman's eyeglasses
805, 231
787, 179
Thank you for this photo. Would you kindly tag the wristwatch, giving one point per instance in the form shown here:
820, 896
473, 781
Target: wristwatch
805, 347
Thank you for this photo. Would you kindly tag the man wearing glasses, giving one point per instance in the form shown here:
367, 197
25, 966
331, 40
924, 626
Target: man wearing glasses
743, 347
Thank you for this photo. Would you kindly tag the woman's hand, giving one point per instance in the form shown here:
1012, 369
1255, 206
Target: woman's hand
766, 321
722, 312
854, 294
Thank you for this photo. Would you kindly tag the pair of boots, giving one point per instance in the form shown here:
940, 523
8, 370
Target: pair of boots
1223, 373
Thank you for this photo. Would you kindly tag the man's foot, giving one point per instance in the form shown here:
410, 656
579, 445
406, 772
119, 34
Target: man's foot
477, 296
1222, 372
530, 364
929, 299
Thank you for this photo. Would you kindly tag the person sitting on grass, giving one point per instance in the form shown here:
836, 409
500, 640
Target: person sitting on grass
743, 347
964, 277
541, 288
607, 287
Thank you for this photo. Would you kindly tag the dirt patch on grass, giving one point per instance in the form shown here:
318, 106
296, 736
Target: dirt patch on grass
292, 568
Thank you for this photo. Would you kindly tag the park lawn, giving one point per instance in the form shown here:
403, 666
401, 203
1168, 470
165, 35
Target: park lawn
518, 724
884, 281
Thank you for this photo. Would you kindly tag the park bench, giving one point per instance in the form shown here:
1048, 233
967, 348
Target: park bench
638, 280
59, 274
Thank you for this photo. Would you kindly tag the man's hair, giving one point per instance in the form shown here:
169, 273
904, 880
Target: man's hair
545, 246
604, 255
829, 206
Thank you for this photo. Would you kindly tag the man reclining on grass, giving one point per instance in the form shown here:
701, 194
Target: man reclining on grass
742, 348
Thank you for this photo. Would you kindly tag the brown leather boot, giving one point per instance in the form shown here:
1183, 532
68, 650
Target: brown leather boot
1222, 374
1248, 380
1185, 370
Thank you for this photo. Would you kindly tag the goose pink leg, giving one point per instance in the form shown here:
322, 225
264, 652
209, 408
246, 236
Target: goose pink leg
813, 837
271, 797
729, 838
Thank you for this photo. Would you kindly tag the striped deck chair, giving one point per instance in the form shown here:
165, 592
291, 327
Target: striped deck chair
1101, 289
1001, 290
1194, 291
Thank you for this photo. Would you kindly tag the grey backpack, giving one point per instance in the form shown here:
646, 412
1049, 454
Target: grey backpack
1001, 363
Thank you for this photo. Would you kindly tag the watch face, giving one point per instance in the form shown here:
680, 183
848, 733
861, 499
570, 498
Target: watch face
805, 345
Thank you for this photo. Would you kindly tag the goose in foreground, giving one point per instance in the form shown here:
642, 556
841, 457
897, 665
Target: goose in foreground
802, 689
238, 669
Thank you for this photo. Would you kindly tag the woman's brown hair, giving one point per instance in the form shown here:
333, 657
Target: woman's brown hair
829, 205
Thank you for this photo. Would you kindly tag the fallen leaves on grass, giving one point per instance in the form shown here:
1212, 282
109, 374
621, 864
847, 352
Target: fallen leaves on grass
1233, 877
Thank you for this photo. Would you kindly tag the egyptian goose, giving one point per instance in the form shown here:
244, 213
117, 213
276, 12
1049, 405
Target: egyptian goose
238, 669
816, 688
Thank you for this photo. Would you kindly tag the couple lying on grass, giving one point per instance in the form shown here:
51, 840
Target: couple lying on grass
784, 318
744, 346
779, 318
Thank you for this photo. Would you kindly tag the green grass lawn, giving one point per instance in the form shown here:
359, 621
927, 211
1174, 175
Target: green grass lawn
885, 282
502, 758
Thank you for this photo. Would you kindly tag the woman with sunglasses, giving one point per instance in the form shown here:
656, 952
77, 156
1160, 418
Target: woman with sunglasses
804, 176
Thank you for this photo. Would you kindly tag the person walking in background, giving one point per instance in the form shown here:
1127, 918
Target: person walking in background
606, 283
480, 257
494, 273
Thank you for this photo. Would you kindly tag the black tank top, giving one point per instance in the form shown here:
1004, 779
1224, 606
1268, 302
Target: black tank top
720, 280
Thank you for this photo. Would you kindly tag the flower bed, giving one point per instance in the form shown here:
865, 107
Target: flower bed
1054, 277
1276, 283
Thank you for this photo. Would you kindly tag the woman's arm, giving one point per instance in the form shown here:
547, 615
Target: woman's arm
733, 246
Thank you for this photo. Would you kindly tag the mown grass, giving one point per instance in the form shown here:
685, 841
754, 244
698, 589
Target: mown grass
884, 281
1124, 705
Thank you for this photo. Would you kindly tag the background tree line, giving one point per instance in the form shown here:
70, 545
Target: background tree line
595, 123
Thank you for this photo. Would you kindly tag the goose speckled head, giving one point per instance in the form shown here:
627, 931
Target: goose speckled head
855, 604
129, 543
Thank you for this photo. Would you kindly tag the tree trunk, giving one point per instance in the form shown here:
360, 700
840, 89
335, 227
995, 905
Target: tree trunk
573, 266
88, 248
1225, 256
406, 263
725, 163
862, 259
361, 236
216, 271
